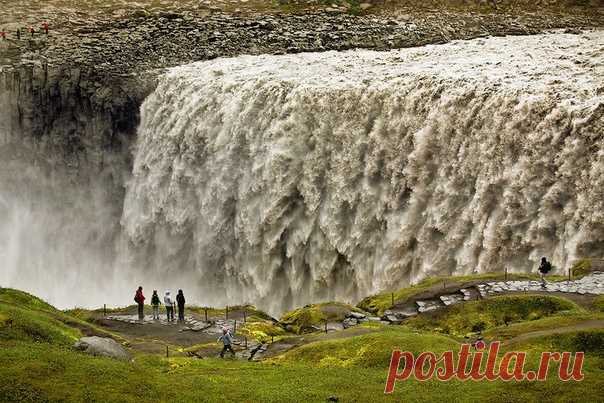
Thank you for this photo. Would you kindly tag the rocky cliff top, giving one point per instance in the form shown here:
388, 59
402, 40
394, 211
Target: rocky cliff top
124, 37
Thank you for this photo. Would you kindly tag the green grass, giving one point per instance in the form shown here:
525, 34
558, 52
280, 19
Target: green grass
582, 267
478, 316
24, 316
371, 350
352, 368
303, 320
559, 320
379, 303
599, 303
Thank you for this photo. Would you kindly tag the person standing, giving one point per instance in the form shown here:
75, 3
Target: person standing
227, 341
45, 27
544, 268
155, 303
139, 298
180, 301
169, 306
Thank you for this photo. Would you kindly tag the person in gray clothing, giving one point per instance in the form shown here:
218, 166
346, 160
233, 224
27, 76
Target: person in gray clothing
227, 340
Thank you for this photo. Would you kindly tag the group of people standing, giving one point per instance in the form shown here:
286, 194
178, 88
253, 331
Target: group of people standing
169, 303
30, 30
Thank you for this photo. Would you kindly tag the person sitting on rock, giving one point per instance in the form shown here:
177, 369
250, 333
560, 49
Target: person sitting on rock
155, 303
544, 268
227, 340
180, 301
169, 306
139, 298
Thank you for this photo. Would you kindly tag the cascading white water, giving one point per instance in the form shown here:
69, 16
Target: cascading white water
283, 180
288, 179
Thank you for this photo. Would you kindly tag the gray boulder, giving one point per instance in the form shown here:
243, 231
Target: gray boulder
356, 315
102, 346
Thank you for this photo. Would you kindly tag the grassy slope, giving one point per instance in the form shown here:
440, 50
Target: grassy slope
478, 316
381, 302
354, 368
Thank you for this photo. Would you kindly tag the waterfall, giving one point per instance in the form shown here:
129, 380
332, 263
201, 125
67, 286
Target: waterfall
284, 180
288, 179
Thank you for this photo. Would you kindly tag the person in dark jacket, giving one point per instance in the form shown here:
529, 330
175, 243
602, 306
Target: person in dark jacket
155, 304
544, 268
139, 298
180, 301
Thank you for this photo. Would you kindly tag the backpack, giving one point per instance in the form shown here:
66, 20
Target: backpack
546, 268
136, 298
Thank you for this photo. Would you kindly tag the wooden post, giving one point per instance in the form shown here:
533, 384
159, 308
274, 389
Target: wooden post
272, 339
392, 297
506, 274
206, 311
226, 312
244, 317
104, 310
167, 354
444, 284
569, 274
325, 326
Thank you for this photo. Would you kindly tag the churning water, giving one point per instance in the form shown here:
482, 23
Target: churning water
281, 180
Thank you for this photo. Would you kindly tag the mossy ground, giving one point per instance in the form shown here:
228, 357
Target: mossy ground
37, 362
478, 316
310, 317
379, 303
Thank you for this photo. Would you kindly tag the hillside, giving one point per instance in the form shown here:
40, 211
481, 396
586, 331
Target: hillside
38, 363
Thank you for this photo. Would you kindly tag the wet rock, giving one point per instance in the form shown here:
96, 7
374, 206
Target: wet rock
102, 346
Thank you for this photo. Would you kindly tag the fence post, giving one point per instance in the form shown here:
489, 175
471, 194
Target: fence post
444, 284
569, 274
226, 312
206, 311
506, 274
325, 326
167, 352
244, 317
104, 310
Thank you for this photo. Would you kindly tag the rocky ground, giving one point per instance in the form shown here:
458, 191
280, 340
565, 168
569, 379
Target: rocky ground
127, 41
99, 59
196, 330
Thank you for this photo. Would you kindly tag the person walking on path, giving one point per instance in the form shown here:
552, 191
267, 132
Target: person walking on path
155, 303
32, 31
227, 341
45, 27
169, 306
139, 298
544, 268
180, 301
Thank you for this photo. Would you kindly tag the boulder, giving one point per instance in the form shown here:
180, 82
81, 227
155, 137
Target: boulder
356, 315
102, 346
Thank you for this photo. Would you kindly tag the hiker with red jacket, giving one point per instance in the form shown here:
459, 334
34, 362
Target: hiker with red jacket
45, 27
139, 298
2, 34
